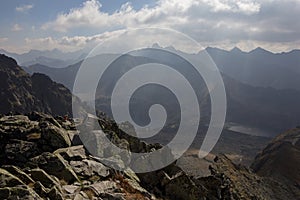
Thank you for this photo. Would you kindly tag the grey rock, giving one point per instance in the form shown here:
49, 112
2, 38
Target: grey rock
104, 187
72, 153
97, 168
40, 117
54, 136
71, 189
55, 165
82, 196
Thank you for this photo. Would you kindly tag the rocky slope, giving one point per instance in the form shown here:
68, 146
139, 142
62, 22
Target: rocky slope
23, 93
39, 161
280, 160
41, 157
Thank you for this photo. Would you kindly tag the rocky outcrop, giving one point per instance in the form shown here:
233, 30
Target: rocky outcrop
280, 160
22, 93
232, 181
43, 158
39, 155
38, 161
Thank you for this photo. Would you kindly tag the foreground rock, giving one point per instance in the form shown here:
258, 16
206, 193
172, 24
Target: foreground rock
282, 155
38, 162
43, 158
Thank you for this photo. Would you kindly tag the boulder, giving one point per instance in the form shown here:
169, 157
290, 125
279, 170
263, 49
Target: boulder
40, 117
73, 153
104, 187
55, 165
16, 127
84, 166
70, 189
89, 168
53, 136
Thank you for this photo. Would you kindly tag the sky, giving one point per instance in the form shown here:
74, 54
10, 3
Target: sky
70, 25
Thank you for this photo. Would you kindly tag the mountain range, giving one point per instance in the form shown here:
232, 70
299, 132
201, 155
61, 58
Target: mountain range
255, 102
43, 158
260, 67
54, 58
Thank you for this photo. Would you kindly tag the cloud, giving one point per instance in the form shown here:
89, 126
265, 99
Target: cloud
24, 8
165, 12
88, 15
245, 6
237, 22
74, 43
67, 43
16, 28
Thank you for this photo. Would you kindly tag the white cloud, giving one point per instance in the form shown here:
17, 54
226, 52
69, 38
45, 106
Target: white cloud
16, 28
165, 12
24, 8
78, 42
248, 7
88, 15
67, 43
236, 6
224, 22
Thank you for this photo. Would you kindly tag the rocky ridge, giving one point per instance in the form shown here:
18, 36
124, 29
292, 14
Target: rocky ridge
280, 160
42, 157
22, 93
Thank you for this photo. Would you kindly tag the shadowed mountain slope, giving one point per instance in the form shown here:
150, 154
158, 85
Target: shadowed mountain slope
23, 93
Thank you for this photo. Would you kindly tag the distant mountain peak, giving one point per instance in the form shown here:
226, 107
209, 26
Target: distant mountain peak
214, 49
156, 46
260, 50
34, 51
236, 49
